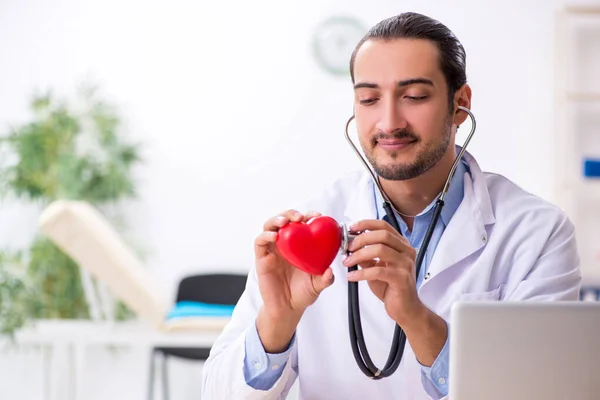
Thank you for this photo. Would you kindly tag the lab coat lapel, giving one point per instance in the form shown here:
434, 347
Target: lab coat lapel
361, 205
466, 233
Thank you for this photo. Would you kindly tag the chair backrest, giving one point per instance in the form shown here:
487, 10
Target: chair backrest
225, 288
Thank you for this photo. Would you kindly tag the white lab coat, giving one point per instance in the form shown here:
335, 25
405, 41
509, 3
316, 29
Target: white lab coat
501, 244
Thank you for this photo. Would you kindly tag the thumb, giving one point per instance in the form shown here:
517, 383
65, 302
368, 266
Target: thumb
321, 282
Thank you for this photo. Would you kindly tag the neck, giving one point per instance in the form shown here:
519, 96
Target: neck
412, 196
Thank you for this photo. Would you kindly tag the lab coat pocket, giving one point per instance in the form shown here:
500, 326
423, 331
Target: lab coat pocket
492, 295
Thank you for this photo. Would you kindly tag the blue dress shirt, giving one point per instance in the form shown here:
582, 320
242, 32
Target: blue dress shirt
262, 370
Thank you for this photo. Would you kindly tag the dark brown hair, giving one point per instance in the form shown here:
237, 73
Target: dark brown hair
412, 25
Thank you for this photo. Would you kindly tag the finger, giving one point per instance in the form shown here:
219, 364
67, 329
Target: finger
321, 282
368, 264
373, 274
311, 214
263, 242
282, 219
398, 243
372, 225
369, 254
393, 277
383, 253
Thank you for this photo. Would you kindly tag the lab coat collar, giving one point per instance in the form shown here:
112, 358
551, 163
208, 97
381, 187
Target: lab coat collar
480, 190
465, 234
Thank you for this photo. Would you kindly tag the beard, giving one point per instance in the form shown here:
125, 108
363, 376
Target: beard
424, 161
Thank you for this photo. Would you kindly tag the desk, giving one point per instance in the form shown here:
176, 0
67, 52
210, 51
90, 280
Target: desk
74, 336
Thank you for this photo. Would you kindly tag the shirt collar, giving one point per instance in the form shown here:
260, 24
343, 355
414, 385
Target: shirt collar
452, 201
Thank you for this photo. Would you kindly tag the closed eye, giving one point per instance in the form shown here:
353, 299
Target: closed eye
367, 102
413, 98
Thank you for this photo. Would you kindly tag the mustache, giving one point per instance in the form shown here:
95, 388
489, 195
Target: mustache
399, 134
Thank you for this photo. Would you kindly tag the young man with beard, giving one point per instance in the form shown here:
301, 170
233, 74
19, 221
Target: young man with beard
493, 241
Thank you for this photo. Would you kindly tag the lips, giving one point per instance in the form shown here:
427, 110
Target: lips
395, 144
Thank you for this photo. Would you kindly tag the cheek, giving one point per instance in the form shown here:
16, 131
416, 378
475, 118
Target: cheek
428, 122
364, 126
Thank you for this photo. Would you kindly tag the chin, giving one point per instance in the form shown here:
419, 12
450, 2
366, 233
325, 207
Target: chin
387, 166
391, 158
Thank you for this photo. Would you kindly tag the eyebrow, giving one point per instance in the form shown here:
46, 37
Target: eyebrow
404, 83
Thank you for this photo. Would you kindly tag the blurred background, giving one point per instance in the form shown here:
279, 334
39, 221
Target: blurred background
189, 123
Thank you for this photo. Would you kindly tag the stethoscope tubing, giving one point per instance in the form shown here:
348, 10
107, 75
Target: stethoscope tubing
357, 340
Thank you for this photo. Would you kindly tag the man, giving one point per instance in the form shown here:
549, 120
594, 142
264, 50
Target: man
493, 241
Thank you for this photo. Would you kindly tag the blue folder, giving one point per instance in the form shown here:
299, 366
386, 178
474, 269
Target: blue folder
198, 309
591, 168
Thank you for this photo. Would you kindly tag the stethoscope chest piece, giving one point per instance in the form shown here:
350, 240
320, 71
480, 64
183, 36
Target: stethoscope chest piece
347, 237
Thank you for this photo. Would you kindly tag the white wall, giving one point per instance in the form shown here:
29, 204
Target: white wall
239, 122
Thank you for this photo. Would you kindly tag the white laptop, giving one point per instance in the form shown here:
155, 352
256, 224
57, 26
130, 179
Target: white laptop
525, 351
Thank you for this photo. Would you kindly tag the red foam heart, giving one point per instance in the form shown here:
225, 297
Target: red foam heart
310, 246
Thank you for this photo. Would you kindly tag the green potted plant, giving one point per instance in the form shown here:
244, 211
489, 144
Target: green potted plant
69, 150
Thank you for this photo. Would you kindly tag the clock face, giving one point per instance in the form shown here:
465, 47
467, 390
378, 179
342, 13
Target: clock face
333, 43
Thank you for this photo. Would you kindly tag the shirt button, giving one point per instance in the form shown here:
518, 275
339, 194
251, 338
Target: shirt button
276, 366
257, 365
427, 275
441, 381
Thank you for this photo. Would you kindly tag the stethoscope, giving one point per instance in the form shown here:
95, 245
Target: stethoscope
357, 340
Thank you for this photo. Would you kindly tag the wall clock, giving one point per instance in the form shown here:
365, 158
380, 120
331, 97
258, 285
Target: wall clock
333, 42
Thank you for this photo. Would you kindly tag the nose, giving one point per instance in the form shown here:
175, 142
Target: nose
391, 118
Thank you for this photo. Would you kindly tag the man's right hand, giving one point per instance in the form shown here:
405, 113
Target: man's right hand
286, 290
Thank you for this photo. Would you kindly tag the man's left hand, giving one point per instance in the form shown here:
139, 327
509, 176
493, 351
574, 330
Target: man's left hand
387, 262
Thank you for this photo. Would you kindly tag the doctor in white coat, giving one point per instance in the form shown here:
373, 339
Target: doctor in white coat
493, 241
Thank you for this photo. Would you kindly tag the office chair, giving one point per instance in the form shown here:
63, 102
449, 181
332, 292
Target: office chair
223, 289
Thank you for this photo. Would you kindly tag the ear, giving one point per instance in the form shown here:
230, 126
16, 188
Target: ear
462, 97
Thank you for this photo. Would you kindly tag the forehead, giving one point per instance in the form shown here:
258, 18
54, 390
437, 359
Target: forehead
382, 62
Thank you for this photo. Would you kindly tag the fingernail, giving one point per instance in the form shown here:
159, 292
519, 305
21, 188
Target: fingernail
351, 275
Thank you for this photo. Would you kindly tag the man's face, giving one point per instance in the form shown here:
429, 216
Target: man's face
401, 107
